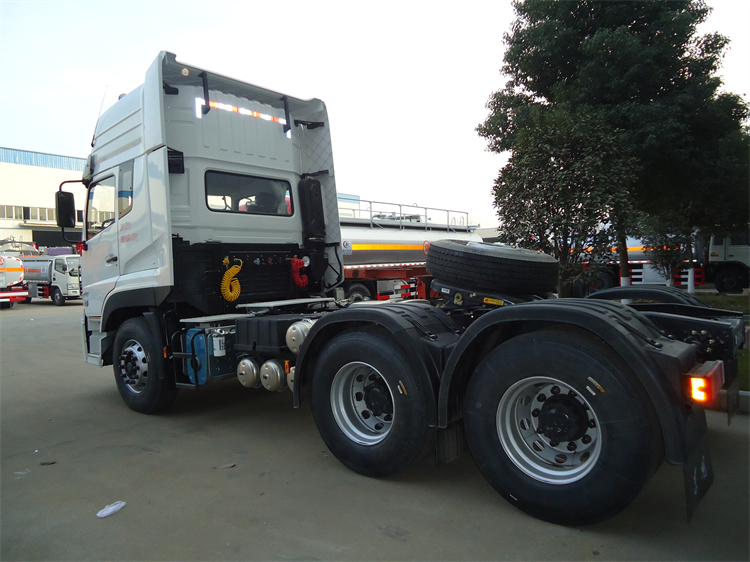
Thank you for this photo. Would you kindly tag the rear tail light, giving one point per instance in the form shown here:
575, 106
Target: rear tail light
704, 380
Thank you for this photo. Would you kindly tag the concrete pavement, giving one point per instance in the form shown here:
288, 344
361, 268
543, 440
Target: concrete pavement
235, 474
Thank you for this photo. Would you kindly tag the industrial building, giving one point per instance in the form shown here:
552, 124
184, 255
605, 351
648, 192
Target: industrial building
28, 182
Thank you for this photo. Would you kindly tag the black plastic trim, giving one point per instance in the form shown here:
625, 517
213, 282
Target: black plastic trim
146, 297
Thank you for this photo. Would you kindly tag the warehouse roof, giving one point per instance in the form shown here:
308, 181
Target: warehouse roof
41, 159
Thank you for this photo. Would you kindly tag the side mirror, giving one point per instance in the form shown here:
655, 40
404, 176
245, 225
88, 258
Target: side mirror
65, 206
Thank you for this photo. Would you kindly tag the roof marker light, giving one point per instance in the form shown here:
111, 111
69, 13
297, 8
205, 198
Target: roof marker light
199, 102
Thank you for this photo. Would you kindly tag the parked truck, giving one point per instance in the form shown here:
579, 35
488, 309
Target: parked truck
55, 277
385, 245
642, 271
212, 241
729, 262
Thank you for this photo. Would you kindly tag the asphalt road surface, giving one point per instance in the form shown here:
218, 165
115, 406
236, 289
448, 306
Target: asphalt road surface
235, 474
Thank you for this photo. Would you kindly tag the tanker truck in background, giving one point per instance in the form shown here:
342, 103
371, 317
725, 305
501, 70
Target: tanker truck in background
12, 289
385, 245
56, 275
212, 249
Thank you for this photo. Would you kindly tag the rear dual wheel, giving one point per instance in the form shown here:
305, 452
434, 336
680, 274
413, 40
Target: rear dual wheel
561, 427
369, 404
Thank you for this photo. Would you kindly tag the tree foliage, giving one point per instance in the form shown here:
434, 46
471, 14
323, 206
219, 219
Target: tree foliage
566, 180
666, 247
641, 67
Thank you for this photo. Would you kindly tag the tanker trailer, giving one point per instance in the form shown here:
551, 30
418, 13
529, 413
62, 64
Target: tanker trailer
11, 281
385, 245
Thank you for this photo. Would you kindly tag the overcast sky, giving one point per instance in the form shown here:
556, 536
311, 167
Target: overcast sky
405, 82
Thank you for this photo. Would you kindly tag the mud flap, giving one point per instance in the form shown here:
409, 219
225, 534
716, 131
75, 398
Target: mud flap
733, 400
698, 475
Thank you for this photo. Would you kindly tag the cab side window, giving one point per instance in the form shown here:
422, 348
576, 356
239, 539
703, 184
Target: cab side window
125, 190
100, 207
60, 266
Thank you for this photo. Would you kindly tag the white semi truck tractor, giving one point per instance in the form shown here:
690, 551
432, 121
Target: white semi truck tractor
211, 248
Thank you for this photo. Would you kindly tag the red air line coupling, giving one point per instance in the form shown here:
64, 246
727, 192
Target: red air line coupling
299, 280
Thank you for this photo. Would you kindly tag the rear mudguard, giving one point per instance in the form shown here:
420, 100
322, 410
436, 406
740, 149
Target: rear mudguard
657, 361
425, 333
649, 292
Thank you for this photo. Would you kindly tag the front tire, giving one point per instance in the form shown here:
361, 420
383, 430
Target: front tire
57, 297
370, 405
730, 280
138, 367
559, 425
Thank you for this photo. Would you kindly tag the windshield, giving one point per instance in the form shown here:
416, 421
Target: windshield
74, 266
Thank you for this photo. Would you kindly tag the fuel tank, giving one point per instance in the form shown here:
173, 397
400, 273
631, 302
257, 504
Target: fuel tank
38, 269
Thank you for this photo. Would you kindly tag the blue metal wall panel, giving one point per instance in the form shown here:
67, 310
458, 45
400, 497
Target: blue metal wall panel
40, 159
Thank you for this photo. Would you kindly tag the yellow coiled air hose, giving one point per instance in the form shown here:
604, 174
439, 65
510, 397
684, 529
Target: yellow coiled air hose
230, 287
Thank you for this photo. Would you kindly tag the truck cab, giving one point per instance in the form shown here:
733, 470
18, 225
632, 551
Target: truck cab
729, 261
194, 174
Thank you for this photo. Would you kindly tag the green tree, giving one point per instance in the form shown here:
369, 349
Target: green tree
641, 66
565, 183
667, 243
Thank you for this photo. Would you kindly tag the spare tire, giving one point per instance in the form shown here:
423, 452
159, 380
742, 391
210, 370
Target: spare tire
490, 267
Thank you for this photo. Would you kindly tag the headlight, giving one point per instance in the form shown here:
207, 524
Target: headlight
72, 286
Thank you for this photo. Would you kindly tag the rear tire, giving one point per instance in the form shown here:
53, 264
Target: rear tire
138, 366
370, 404
551, 441
358, 292
605, 280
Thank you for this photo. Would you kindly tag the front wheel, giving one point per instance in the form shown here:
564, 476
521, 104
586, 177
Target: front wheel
731, 280
560, 426
370, 405
57, 296
139, 367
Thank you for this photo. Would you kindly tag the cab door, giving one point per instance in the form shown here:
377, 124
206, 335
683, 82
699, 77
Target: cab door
100, 266
738, 249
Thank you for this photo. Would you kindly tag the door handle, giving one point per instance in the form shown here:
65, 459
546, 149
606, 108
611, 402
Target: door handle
111, 259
